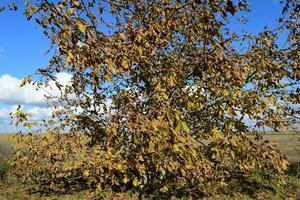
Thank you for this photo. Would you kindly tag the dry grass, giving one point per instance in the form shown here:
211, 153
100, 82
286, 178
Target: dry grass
6, 144
289, 144
5, 138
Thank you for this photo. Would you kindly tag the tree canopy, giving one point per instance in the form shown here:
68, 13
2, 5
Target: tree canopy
160, 96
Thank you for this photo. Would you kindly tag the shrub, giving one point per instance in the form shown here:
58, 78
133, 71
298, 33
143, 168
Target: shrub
159, 105
59, 164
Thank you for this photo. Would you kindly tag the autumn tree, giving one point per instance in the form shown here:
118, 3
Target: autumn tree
160, 96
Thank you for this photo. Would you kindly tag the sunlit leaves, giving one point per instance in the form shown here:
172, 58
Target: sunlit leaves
26, 80
164, 90
86, 173
81, 26
69, 58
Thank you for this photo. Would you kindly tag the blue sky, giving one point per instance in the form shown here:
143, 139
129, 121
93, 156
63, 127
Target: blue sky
22, 48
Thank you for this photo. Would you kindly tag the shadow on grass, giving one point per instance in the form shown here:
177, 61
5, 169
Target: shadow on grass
5, 155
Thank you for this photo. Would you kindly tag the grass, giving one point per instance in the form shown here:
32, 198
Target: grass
288, 143
12, 189
5, 139
5, 154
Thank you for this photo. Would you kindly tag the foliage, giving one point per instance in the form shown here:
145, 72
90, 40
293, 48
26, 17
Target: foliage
13, 189
159, 97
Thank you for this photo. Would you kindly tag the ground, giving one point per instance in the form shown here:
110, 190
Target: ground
288, 143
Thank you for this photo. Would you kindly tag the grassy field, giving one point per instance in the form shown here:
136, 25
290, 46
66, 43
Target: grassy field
288, 143
5, 139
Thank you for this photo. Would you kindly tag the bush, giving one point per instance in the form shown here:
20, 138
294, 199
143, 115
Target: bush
158, 105
58, 164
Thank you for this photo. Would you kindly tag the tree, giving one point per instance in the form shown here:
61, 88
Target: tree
164, 88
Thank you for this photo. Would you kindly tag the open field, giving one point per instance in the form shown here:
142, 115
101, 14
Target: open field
5, 138
6, 144
289, 144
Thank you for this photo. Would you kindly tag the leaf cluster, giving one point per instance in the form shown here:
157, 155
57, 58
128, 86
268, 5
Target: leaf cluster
159, 96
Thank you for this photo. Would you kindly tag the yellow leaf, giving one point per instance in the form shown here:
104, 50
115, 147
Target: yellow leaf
232, 154
86, 172
26, 80
140, 50
176, 148
225, 93
69, 57
81, 26
216, 134
125, 180
44, 143
119, 166
141, 158
124, 64
135, 182
177, 128
151, 147
28, 125
164, 189
96, 151
110, 64
284, 164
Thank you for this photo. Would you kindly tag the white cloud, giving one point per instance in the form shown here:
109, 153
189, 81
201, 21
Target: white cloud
38, 113
63, 78
11, 92
32, 100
